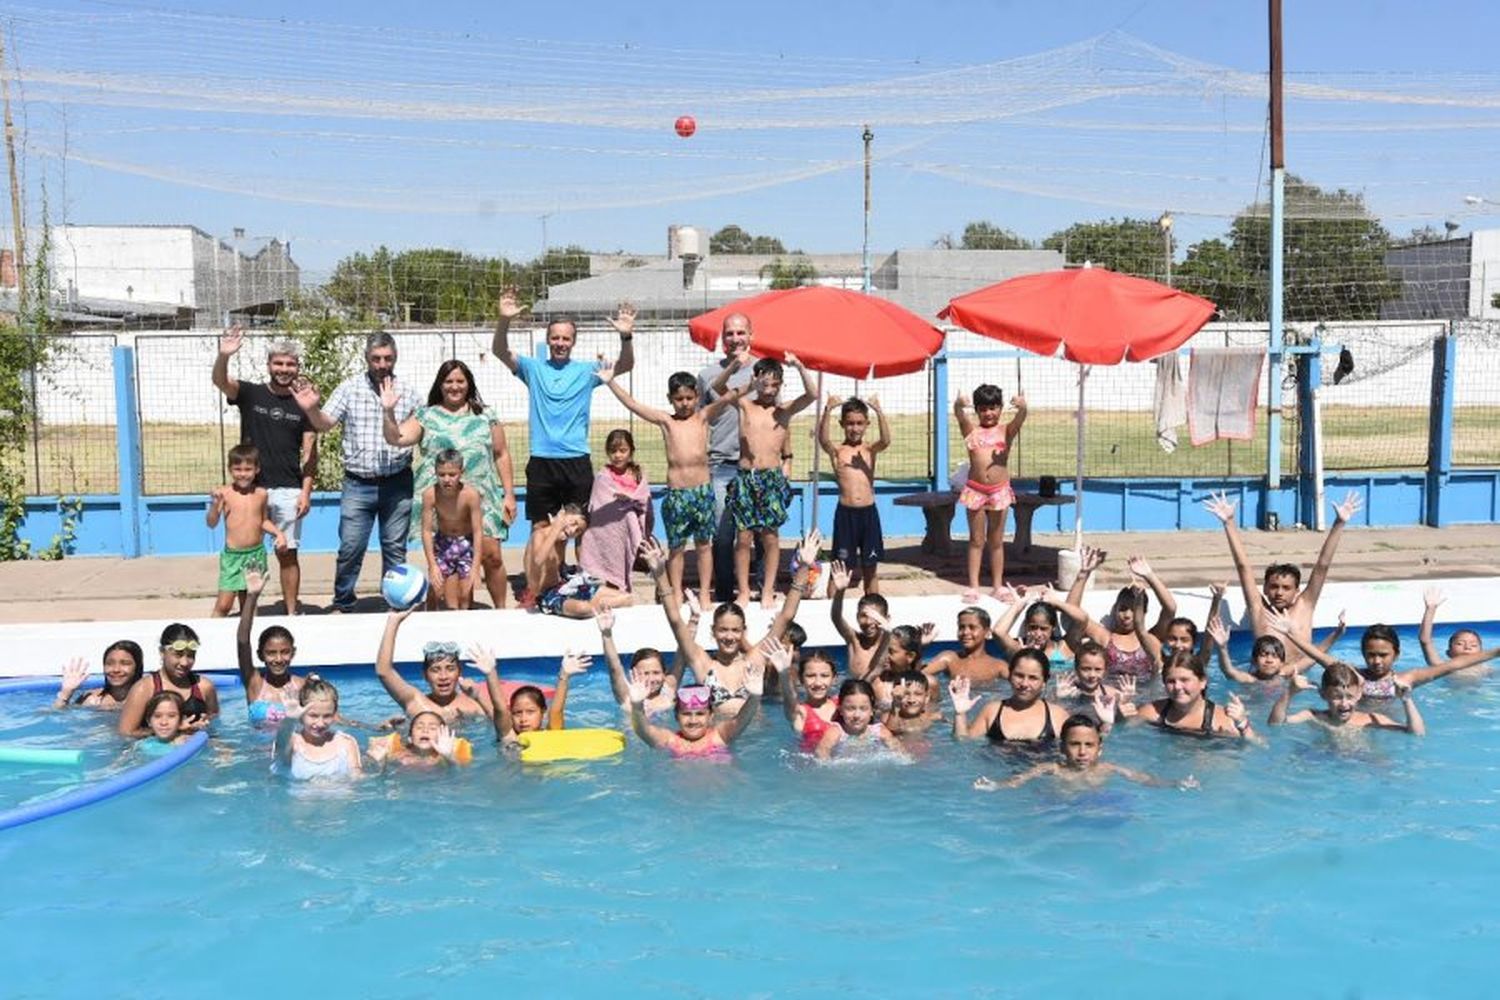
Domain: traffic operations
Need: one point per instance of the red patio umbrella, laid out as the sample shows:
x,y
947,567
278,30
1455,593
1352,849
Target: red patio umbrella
x,y
1096,316
831,330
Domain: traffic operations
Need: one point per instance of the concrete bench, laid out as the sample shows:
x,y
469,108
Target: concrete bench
x,y
939,506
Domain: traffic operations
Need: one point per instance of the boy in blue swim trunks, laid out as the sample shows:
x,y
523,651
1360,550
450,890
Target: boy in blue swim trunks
x,y
857,539
688,507
759,495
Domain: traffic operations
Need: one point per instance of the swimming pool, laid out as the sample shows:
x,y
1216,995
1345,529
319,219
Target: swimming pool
x,y
1316,866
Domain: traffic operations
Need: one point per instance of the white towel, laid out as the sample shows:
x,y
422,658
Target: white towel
x,y
1223,385
1169,401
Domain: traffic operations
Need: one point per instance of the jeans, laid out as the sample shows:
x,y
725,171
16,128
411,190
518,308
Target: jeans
x,y
389,500
724,538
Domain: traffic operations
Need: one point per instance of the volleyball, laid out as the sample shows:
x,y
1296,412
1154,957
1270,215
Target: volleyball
x,y
403,586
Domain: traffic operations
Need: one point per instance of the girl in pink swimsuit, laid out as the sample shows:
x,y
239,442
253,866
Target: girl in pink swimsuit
x,y
987,495
812,718
697,735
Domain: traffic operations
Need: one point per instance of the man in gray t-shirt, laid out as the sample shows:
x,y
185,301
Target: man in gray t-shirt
x,y
724,449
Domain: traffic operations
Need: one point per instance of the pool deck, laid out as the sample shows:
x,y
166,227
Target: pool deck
x,y
110,589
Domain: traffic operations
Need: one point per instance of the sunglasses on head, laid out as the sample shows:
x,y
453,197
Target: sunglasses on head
x,y
182,646
693,697
432,649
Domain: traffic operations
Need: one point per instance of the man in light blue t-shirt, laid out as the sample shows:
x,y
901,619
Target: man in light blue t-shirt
x,y
560,470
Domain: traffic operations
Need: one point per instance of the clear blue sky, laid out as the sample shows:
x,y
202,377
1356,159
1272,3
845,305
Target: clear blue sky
x,y
347,178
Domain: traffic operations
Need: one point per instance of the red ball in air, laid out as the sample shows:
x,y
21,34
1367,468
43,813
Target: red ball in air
x,y
686,126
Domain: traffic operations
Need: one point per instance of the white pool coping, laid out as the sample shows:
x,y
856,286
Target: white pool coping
x,y
41,649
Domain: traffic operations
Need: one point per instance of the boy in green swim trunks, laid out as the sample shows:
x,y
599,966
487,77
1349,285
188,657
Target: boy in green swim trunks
x,y
688,507
243,506
759,494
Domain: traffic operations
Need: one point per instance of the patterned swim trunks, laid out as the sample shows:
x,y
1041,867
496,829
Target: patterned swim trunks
x,y
454,555
234,562
576,585
689,515
758,499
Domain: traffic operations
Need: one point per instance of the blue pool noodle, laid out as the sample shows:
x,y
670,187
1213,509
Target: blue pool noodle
x,y
22,684
107,789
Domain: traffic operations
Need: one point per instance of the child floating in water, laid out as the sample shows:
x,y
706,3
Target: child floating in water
x,y
1380,646
1342,687
269,693
307,746
855,723
429,742
1462,642
987,495
164,717
1081,764
697,735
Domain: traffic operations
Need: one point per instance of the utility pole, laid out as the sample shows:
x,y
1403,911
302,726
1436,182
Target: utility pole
x,y
1278,235
868,137
18,224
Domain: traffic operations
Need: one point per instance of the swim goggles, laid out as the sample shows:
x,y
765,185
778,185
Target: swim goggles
x,y
432,649
695,696
182,645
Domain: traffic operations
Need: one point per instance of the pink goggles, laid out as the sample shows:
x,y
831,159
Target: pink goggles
x,y
696,696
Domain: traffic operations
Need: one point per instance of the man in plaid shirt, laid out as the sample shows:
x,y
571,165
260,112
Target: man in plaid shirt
x,y
377,476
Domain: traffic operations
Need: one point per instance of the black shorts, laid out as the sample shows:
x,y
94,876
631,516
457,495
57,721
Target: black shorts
x,y
552,482
857,539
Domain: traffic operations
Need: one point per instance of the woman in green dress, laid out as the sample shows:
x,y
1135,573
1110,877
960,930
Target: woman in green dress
x,y
455,417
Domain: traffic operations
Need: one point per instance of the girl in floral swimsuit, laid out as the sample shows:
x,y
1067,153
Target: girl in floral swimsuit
x,y
987,495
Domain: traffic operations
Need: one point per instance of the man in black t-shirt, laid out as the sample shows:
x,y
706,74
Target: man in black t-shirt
x,y
271,420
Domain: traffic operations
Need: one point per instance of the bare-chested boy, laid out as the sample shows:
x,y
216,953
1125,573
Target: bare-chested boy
x,y
244,508
759,494
566,591
970,659
870,617
688,508
857,539
911,713
452,532
1279,590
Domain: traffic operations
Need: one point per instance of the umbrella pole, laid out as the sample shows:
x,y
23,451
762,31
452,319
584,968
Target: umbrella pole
x,y
1083,374
817,426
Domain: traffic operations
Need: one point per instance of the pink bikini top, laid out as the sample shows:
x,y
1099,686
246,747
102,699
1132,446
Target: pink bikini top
x,y
987,439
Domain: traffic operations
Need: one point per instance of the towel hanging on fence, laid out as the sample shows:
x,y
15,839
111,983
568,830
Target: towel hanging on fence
x,y
1169,401
1223,387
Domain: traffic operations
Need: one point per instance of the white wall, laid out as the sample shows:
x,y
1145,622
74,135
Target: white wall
x,y
127,263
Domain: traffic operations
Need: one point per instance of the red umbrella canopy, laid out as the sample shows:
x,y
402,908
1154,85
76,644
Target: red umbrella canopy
x,y
831,329
1098,317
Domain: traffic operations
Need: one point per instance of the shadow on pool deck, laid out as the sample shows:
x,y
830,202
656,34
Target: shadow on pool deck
x,y
109,589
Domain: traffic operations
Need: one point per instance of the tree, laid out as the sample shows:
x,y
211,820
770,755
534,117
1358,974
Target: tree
x,y
1212,271
1130,246
985,235
732,239
793,274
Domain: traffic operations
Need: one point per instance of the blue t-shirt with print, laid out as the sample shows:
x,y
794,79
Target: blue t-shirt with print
x,y
559,405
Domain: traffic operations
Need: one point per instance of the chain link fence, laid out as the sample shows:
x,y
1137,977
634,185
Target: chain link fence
x,y
71,444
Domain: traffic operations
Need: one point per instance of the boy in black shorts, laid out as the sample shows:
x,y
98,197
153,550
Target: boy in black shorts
x,y
857,539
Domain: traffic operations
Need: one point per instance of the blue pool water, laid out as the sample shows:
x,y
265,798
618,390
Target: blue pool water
x,y
1317,866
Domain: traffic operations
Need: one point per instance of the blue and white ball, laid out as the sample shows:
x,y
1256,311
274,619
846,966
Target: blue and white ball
x,y
403,586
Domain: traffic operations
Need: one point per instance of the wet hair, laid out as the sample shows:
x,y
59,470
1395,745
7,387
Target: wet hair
x,y
530,691
1185,659
448,456
1035,656
1340,675
412,722
1270,643
767,366
681,380
316,687
916,677
177,631
154,702
649,653
435,394
1462,632
1134,598
977,612
854,686
1088,647
988,395
908,637
621,436
133,650
272,632
1044,611
1284,569
428,659
853,405
794,635
378,339
729,608
818,656
875,601
1081,721
1378,632
1186,623
244,453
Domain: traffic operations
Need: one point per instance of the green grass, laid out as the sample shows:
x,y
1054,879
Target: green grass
x,y
189,459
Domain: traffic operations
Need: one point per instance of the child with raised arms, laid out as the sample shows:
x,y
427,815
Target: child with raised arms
x,y
687,510
1082,763
1268,659
809,719
307,745
124,664
697,735
855,723
758,495
869,615
647,664
1130,650
1380,646
428,743
1462,642
1039,628
857,539
452,532
1342,688
272,691
987,495
243,506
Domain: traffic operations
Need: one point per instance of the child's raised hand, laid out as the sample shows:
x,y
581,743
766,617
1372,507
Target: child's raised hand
x,y
962,402
1220,506
927,634
1300,683
983,784
1218,631
1350,506
605,619
1018,400
958,690
1125,684
694,609
397,617
654,554
884,690
1343,614
834,402
1090,558
483,659
779,653
808,550
230,341
575,663
755,678
636,690
255,580
604,368
378,750
1235,709
1433,596
445,743
873,400
1139,566
793,360
1106,704
881,621
1218,589
217,494
74,673
838,575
